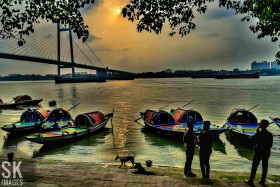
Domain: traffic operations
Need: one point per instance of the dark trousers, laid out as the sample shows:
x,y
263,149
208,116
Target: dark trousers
x,y
189,159
260,156
204,157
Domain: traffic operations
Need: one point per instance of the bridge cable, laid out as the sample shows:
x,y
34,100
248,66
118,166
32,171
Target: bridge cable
x,y
94,54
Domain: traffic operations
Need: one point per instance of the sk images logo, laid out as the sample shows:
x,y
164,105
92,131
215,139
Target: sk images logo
x,y
11,174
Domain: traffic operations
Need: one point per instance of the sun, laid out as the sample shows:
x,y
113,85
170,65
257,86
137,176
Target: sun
x,y
119,10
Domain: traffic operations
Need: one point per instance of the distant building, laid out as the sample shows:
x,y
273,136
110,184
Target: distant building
x,y
81,73
168,71
11,75
260,65
274,65
182,71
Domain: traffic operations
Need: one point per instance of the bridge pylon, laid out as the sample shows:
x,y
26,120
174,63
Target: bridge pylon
x,y
72,66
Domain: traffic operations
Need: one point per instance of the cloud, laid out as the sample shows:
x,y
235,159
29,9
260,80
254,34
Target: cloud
x,y
126,49
92,37
102,49
124,60
220,13
210,35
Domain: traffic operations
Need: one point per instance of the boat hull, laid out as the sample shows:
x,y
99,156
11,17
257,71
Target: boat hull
x,y
239,76
67,135
7,106
20,128
31,102
240,134
275,120
59,79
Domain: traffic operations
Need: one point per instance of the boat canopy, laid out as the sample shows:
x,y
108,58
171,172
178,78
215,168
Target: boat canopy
x,y
242,116
1,102
59,114
185,116
91,119
34,115
23,98
158,117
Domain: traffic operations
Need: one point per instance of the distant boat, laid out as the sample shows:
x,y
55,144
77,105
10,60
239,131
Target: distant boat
x,y
7,105
202,76
26,100
239,76
68,79
241,126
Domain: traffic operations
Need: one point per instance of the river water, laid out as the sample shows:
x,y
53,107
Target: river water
x,y
214,99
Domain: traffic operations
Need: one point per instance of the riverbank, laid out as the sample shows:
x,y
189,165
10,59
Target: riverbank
x,y
56,173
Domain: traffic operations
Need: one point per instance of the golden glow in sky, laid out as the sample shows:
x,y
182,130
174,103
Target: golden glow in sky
x,y
119,11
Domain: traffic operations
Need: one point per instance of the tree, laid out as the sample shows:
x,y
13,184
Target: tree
x,y
152,14
17,17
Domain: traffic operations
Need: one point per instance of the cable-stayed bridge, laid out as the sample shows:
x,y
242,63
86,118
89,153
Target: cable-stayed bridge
x,y
51,45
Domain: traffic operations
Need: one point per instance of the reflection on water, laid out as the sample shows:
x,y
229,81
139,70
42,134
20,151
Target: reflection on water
x,y
214,100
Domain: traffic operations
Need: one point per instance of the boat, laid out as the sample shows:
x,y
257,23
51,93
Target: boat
x,y
84,125
239,76
163,124
30,120
275,120
7,105
61,115
241,126
77,79
185,116
202,76
26,100
129,77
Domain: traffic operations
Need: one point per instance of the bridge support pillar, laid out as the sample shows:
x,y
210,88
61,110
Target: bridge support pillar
x,y
58,48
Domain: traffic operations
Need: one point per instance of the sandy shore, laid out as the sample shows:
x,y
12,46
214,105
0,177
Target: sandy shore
x,y
57,173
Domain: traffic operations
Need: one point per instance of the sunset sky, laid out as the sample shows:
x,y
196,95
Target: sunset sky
x,y
220,41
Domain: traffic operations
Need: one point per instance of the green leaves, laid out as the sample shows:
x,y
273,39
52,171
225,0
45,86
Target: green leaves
x,y
152,14
18,23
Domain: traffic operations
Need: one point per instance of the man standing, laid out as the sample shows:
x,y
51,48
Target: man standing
x,y
205,143
262,142
189,138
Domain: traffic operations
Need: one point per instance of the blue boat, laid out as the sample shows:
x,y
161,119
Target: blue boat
x,y
30,120
241,126
186,116
275,120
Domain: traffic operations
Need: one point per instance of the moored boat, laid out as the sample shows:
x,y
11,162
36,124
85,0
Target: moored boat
x,y
30,120
239,76
186,116
59,115
163,124
241,126
65,79
7,105
84,125
26,100
275,120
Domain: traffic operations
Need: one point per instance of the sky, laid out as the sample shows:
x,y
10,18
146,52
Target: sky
x,y
220,41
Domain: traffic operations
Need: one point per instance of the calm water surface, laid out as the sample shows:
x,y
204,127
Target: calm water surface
x,y
214,99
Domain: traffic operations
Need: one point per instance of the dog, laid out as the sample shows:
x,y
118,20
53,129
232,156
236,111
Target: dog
x,y
125,159
141,170
10,156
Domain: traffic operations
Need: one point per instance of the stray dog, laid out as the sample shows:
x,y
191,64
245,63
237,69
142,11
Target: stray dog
x,y
125,159
141,170
10,156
